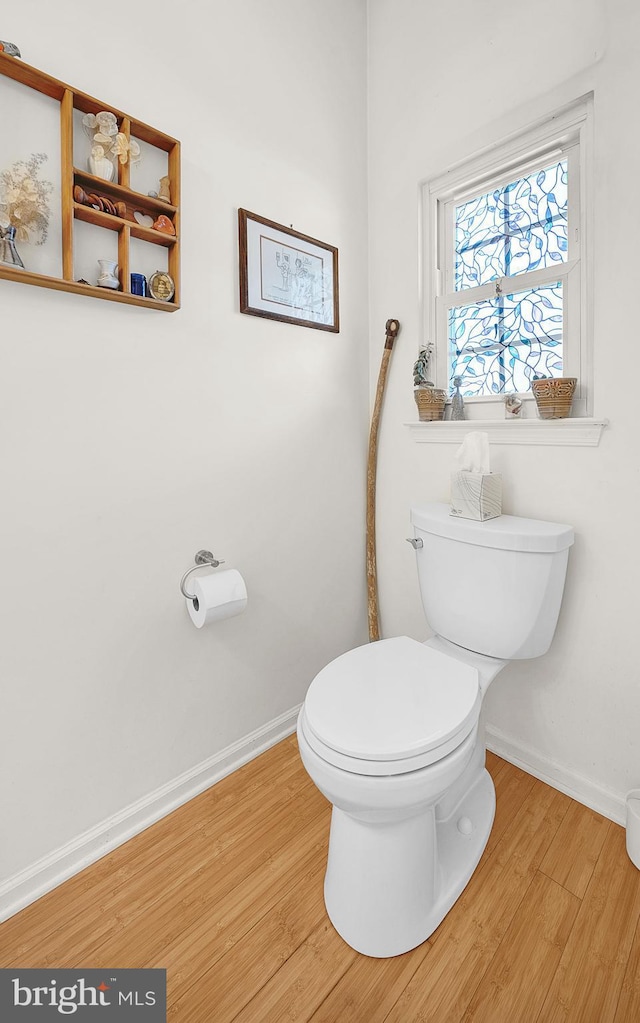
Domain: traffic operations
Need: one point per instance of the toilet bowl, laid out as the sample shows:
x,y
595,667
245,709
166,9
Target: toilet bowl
x,y
403,766
391,734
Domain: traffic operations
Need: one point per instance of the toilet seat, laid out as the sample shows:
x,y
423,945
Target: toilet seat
x,y
390,707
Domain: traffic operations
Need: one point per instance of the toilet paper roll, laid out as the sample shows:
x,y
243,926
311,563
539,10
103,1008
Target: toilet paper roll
x,y
217,596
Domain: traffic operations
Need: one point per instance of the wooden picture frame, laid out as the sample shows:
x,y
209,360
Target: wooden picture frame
x,y
287,276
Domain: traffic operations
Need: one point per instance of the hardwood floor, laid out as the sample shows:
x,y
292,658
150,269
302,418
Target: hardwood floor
x,y
226,894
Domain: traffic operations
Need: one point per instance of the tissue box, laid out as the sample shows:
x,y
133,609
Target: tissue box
x,y
476,495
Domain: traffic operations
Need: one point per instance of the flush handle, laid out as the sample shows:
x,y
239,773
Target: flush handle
x,y
415,542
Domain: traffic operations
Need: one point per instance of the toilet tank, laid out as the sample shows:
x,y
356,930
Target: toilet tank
x,y
494,587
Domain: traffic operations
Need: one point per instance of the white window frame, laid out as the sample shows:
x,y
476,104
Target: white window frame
x,y
565,134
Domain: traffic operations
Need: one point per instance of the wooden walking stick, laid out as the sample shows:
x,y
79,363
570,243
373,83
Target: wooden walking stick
x,y
392,327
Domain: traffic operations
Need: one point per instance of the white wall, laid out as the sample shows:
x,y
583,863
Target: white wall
x,y
130,439
441,88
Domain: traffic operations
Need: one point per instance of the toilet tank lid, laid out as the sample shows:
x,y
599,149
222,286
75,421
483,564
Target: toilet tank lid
x,y
507,532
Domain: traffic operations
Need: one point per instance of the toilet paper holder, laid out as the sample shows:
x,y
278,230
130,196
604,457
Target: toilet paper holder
x,y
202,558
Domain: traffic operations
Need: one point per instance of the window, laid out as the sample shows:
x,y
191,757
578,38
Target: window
x,y
506,265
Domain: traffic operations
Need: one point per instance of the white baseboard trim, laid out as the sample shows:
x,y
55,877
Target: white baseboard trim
x,y
30,884
603,800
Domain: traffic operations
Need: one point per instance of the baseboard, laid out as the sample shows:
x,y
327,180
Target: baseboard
x,y
597,797
25,887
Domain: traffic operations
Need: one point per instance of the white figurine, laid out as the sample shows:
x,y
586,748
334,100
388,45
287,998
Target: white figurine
x,y
100,165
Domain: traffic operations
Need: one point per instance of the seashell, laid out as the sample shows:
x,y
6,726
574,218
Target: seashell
x,y
143,218
107,122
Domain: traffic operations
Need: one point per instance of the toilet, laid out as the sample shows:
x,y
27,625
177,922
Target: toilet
x,y
390,732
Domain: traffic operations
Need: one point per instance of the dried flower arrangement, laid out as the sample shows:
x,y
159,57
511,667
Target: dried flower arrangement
x,y
24,199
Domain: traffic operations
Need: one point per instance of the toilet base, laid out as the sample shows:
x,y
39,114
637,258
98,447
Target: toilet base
x,y
389,885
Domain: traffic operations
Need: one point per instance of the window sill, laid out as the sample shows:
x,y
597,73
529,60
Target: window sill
x,y
578,432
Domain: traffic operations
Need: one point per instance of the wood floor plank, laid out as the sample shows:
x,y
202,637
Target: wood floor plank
x,y
512,787
588,981
494,763
303,981
369,989
223,992
629,1001
469,936
573,854
220,929
514,986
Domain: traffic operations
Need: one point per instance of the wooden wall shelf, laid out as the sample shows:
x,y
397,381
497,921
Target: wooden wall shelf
x,y
118,191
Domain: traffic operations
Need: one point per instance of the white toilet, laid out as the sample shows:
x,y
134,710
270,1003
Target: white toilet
x,y
389,732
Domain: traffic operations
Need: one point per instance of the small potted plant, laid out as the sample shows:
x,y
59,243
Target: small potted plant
x,y
24,207
429,398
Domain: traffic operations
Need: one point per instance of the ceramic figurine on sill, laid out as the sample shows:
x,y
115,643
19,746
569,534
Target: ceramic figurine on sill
x,y
512,407
457,403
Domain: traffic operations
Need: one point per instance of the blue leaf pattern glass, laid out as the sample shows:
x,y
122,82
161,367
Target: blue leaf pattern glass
x,y
511,230
497,346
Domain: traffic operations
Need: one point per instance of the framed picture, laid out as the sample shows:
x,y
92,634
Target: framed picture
x,y
287,276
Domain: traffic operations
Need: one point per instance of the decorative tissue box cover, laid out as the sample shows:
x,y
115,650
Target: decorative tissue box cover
x,y
476,495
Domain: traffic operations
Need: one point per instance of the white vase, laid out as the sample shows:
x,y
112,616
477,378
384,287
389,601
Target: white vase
x,y
101,167
108,274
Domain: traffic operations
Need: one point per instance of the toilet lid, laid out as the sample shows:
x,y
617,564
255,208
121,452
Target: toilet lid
x,y
392,700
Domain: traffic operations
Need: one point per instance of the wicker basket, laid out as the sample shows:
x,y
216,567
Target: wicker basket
x,y
430,402
554,396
